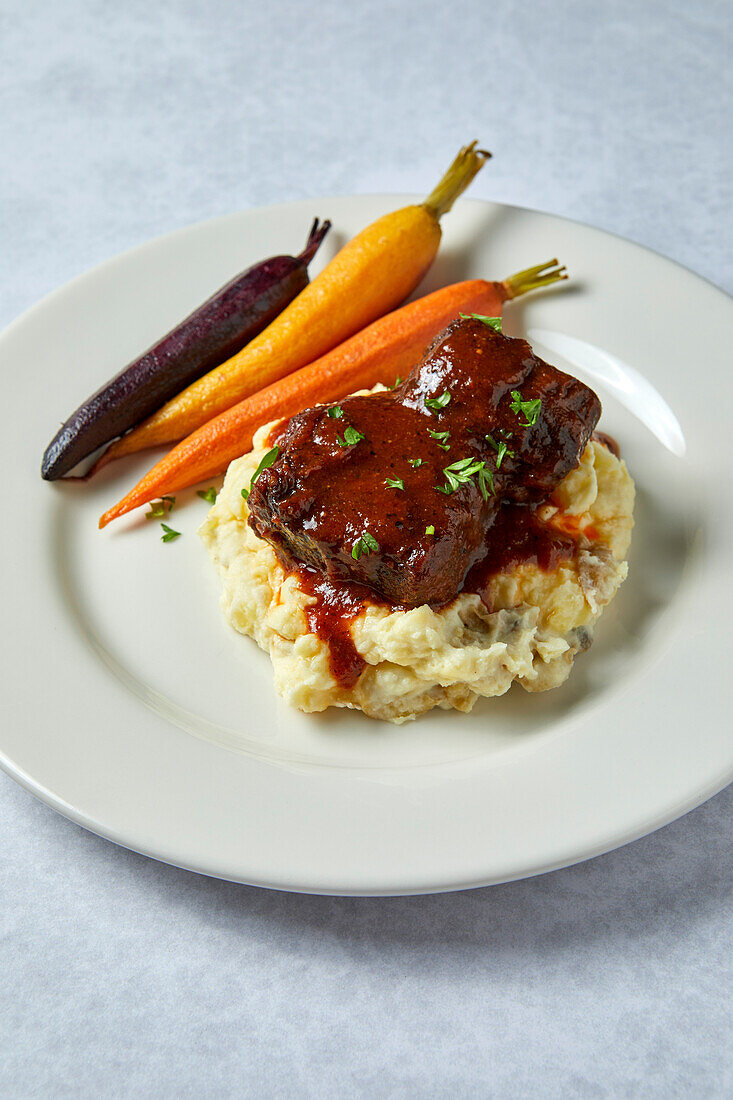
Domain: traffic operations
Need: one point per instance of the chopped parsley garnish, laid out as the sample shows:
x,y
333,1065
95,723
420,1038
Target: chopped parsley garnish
x,y
415,462
486,482
209,495
430,530
159,508
335,412
500,448
397,382
435,404
366,544
168,533
528,409
265,462
394,482
441,438
492,322
461,472
351,436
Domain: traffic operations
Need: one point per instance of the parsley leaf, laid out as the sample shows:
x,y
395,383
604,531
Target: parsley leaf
x,y
169,533
209,495
441,438
415,462
461,472
265,462
430,530
500,448
528,409
435,404
394,482
366,544
159,508
351,436
492,322
486,482
397,382
335,412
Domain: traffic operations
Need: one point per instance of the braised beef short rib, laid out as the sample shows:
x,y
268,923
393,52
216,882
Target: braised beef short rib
x,y
407,507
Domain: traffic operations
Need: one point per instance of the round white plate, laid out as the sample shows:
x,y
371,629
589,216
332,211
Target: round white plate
x,y
131,707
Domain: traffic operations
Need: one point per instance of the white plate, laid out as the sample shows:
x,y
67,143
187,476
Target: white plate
x,y
132,708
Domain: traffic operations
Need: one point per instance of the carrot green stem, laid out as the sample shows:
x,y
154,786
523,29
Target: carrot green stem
x,y
532,277
455,181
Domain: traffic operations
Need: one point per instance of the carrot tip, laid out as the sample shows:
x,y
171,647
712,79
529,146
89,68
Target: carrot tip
x,y
119,509
109,515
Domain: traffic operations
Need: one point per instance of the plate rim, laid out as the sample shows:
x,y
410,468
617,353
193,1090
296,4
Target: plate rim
x,y
69,813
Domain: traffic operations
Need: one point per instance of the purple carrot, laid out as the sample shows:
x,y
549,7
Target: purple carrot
x,y
209,336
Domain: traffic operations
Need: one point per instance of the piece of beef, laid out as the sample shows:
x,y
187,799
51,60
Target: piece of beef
x,y
393,510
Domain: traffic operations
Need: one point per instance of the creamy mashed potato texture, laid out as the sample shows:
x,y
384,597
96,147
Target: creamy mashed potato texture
x,y
528,629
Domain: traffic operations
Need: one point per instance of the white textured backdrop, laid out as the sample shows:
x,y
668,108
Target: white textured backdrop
x,y
124,978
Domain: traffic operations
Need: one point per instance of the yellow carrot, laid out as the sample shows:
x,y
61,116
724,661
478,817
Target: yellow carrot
x,y
371,275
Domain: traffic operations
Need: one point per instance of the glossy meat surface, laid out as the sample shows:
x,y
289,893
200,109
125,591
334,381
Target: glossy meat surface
x,y
363,511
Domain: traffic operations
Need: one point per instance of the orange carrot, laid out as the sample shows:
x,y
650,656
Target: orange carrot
x,y
387,348
371,274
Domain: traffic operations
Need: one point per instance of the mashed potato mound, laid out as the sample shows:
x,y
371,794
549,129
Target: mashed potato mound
x,y
421,658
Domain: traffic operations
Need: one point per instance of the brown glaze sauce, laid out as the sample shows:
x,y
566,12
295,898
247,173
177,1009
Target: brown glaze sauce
x,y
518,537
377,465
337,605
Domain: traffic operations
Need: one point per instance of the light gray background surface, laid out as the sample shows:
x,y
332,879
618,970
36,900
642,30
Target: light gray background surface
x,y
121,977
